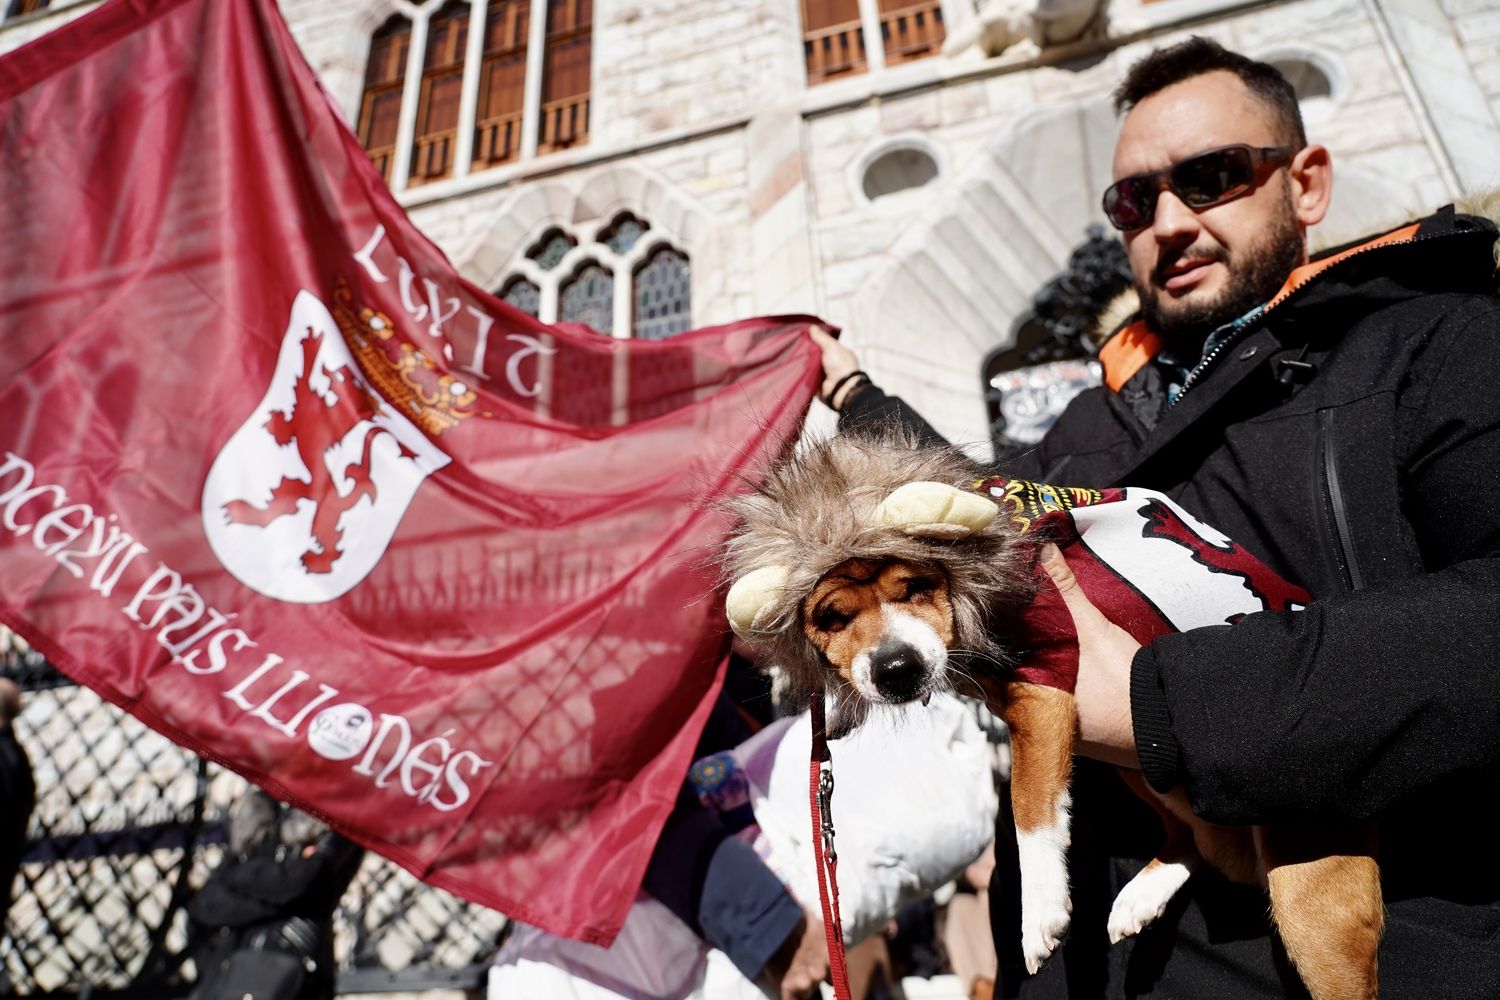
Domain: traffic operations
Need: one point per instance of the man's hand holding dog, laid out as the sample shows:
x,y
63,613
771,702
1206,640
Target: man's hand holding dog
x,y
1105,652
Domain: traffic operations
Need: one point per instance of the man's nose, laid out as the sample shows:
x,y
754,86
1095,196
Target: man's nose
x,y
1174,220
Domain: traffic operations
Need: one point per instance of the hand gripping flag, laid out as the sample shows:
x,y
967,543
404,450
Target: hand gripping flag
x,y
281,483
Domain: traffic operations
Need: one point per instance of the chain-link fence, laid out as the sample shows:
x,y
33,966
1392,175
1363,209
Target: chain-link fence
x,y
127,826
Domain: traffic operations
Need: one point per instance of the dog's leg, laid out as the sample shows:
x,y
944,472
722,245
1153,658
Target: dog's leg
x,y
1146,896
1325,899
1042,723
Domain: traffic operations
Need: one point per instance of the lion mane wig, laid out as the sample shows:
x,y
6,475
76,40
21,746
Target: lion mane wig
x,y
818,508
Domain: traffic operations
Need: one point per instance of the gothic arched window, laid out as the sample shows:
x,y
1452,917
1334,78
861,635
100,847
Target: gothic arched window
x,y
623,233
522,294
556,281
662,295
551,248
589,297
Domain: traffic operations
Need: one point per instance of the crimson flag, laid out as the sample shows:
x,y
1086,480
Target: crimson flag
x,y
278,481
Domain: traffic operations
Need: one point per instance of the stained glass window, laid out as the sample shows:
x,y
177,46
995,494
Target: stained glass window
x,y
590,298
660,286
523,295
551,248
662,295
623,233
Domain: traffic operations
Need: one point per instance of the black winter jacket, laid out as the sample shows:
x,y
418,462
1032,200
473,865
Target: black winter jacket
x,y
1373,480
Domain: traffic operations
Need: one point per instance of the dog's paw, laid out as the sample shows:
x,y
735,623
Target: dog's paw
x,y
1042,932
1146,897
1045,902
1046,906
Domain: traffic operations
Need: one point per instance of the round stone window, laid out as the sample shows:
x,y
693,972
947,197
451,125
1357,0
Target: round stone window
x,y
1306,77
902,169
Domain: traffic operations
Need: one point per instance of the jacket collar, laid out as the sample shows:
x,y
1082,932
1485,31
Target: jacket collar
x,y
1135,344
1346,281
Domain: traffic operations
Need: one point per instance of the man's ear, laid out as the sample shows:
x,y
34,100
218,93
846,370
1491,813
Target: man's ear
x,y
1311,175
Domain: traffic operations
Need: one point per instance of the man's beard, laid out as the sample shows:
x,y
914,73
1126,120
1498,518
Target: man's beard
x,y
1255,274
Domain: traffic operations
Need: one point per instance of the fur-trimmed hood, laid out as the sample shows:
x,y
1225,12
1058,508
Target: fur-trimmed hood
x,y
816,510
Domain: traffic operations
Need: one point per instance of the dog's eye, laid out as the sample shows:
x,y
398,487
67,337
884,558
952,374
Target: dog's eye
x,y
830,620
919,585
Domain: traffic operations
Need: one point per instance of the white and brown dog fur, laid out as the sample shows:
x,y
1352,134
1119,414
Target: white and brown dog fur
x,y
866,570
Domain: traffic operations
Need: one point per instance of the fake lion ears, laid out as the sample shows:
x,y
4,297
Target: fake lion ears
x,y
751,597
936,510
928,510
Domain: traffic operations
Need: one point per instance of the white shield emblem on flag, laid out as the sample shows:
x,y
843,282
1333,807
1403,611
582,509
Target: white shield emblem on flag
x,y
305,496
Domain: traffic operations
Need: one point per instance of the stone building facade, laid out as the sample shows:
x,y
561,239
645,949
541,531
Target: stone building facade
x,y
913,171
917,198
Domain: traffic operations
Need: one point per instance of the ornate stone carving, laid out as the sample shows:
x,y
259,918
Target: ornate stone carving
x,y
1000,24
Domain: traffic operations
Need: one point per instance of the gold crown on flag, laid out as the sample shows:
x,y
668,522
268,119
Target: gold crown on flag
x,y
410,381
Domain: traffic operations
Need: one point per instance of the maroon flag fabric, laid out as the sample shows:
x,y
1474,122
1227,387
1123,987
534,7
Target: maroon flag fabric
x,y
278,481
1149,565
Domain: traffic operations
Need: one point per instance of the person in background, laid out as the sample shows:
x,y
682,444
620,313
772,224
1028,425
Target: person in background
x,y
17,792
718,886
262,924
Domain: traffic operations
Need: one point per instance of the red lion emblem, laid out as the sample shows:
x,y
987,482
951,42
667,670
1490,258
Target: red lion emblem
x,y
315,426
1274,592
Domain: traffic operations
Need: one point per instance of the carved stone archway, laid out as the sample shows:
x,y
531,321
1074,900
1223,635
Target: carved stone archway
x,y
955,287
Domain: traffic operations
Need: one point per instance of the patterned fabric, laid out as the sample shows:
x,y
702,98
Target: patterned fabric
x,y
1150,566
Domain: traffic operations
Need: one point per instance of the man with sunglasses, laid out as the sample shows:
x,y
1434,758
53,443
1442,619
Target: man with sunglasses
x,y
1340,418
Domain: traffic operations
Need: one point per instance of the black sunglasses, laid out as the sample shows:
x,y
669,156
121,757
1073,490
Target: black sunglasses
x,y
1200,181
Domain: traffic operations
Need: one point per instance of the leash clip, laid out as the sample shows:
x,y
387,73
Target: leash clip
x,y
825,810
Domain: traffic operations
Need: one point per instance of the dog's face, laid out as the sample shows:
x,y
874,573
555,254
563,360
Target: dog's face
x,y
915,579
883,626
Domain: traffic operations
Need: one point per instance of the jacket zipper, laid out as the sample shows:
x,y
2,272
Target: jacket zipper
x,y
1196,375
1336,517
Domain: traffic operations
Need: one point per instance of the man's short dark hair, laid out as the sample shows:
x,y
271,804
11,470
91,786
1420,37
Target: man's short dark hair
x,y
1196,56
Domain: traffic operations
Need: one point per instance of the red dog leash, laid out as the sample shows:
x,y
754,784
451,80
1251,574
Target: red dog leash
x,y
820,803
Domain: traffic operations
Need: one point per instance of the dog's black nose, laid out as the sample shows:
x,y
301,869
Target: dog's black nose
x,y
897,671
